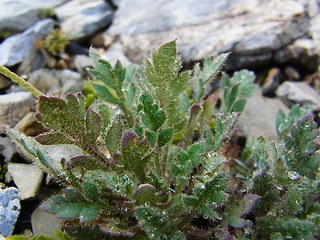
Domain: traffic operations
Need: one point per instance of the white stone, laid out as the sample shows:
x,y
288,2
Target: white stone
x,y
27,177
44,222
9,210
14,106
17,48
18,15
203,28
259,116
80,18
299,92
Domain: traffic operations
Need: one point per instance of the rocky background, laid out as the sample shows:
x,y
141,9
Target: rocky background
x,y
277,39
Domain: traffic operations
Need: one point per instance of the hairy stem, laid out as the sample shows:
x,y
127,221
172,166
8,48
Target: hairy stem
x,y
14,77
126,111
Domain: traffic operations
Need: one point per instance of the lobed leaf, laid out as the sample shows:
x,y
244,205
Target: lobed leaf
x,y
163,74
153,117
165,136
72,205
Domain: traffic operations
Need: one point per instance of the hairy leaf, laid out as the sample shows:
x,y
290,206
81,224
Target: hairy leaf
x,y
284,124
165,136
72,205
236,90
163,74
153,117
301,156
71,119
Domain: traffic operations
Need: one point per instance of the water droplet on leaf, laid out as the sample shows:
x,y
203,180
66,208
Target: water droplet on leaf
x,y
293,175
307,124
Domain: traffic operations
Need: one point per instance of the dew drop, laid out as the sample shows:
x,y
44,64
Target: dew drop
x,y
117,111
307,124
211,154
293,175
214,205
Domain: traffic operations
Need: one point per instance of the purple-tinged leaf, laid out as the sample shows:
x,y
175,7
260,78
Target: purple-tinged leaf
x,y
113,232
129,138
236,221
164,205
161,193
194,112
52,138
79,160
144,193
143,189
251,200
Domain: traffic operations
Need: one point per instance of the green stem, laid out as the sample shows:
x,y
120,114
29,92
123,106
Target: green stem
x,y
14,77
128,116
126,111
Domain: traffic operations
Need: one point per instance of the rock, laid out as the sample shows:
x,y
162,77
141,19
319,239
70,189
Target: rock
x,y
56,82
71,81
291,73
81,63
259,117
272,82
299,92
315,31
29,126
97,41
14,106
17,48
28,178
18,15
4,82
116,52
302,53
44,222
9,210
7,148
81,18
45,80
251,29
312,7
57,152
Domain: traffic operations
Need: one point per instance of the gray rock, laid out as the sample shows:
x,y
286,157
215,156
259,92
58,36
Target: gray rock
x,y
28,178
7,148
259,116
17,48
56,82
57,152
14,106
45,80
291,73
9,210
18,15
299,92
82,62
312,7
251,29
44,222
272,82
29,126
315,31
302,52
4,82
116,52
70,82
81,18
